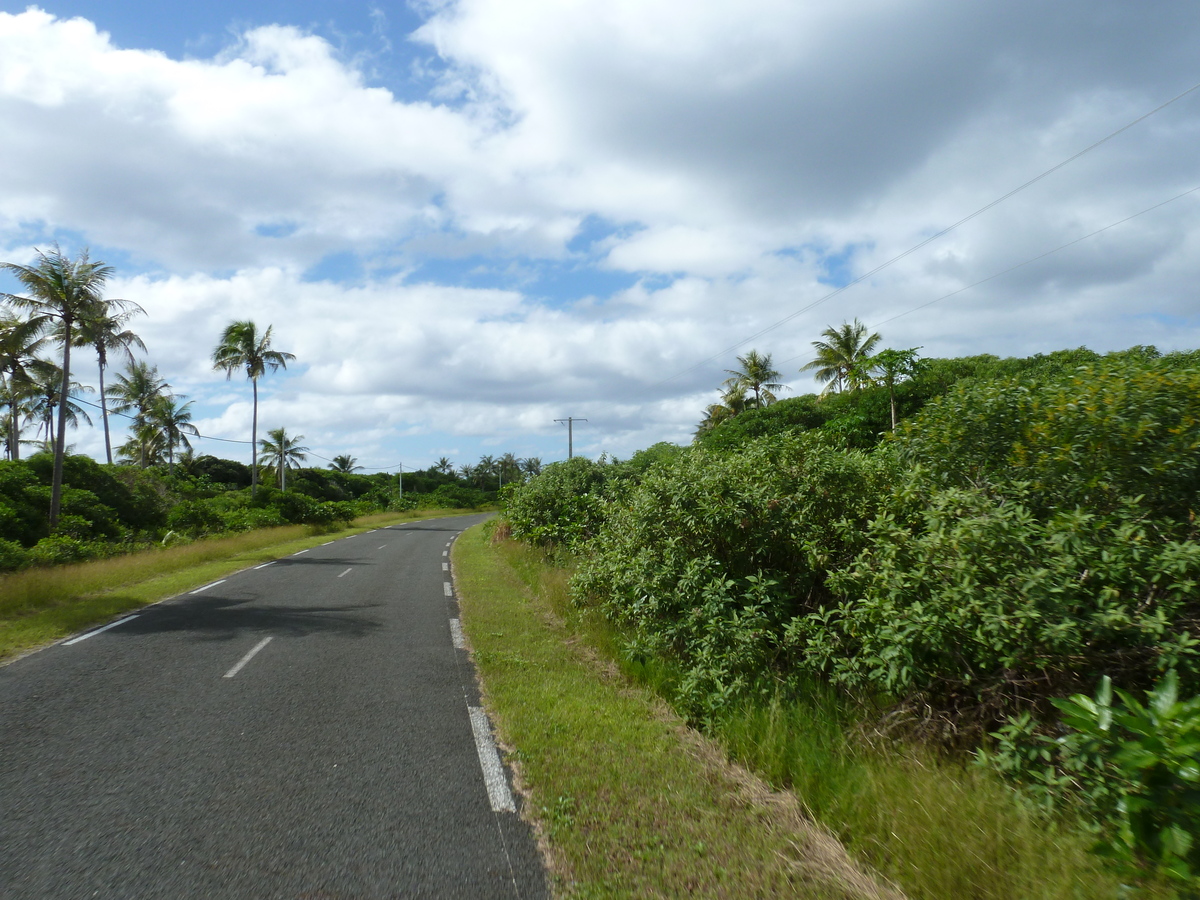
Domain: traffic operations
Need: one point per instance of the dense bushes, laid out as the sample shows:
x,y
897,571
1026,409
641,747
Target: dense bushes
x,y
1021,538
113,509
712,555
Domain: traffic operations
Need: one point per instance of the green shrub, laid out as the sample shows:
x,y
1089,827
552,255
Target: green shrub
x,y
982,610
565,505
1106,432
711,556
12,556
1133,767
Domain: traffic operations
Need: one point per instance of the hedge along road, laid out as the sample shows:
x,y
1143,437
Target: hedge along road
x,y
306,728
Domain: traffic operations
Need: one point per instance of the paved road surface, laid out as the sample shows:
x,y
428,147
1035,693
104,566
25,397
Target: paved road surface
x,y
306,729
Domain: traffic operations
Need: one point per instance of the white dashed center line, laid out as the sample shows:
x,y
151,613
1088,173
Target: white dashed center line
x,y
382,546
249,656
347,572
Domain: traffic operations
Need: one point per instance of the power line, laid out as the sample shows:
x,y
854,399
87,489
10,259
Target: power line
x,y
1020,265
928,240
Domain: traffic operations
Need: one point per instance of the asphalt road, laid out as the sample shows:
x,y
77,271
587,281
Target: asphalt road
x,y
299,730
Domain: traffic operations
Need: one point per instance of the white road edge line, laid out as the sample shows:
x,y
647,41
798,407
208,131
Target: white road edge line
x,y
207,586
489,760
84,637
298,552
456,635
264,565
447,589
445,567
327,543
249,656
347,572
445,553
383,547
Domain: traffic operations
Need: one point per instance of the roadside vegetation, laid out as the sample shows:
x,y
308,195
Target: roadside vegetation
x,y
41,605
59,508
628,802
967,643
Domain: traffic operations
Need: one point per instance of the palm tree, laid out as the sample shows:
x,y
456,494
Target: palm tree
x,y
105,331
484,469
282,453
531,466
145,447
508,467
66,291
838,357
755,373
174,421
444,466
243,347
21,340
42,395
345,463
138,389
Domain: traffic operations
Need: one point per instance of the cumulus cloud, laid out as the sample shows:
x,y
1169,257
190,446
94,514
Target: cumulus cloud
x,y
743,161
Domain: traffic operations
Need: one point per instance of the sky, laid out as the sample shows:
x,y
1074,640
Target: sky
x,y
470,218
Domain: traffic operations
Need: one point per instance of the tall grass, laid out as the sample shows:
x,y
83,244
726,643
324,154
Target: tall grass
x,y
937,827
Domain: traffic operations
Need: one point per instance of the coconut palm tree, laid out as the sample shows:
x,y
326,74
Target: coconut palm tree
x,y
837,361
21,340
42,402
444,466
281,453
105,331
756,373
531,466
66,291
147,446
345,463
138,388
174,421
242,346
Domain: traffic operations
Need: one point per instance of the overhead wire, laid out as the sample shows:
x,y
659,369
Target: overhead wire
x,y
933,237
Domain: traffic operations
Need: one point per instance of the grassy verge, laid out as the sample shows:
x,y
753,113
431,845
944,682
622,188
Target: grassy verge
x,y
610,777
40,606
629,803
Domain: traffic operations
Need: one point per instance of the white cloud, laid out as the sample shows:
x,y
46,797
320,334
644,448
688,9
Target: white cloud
x,y
746,158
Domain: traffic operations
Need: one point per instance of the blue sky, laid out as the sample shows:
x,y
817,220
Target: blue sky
x,y
468,218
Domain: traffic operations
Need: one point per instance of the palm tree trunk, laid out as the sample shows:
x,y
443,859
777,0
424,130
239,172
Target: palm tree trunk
x,y
14,434
60,446
892,400
254,442
104,415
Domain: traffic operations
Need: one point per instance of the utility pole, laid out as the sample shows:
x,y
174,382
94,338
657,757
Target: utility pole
x,y
570,421
399,475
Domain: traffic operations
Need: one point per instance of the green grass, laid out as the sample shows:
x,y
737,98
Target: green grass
x,y
629,803
937,828
42,605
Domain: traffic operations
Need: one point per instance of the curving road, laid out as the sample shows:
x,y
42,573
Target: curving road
x,y
305,729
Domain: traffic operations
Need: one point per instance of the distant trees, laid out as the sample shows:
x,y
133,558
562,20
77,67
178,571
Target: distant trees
x,y
282,452
243,346
21,342
345,463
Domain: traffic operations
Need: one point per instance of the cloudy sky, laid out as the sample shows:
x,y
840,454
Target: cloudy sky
x,y
468,218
